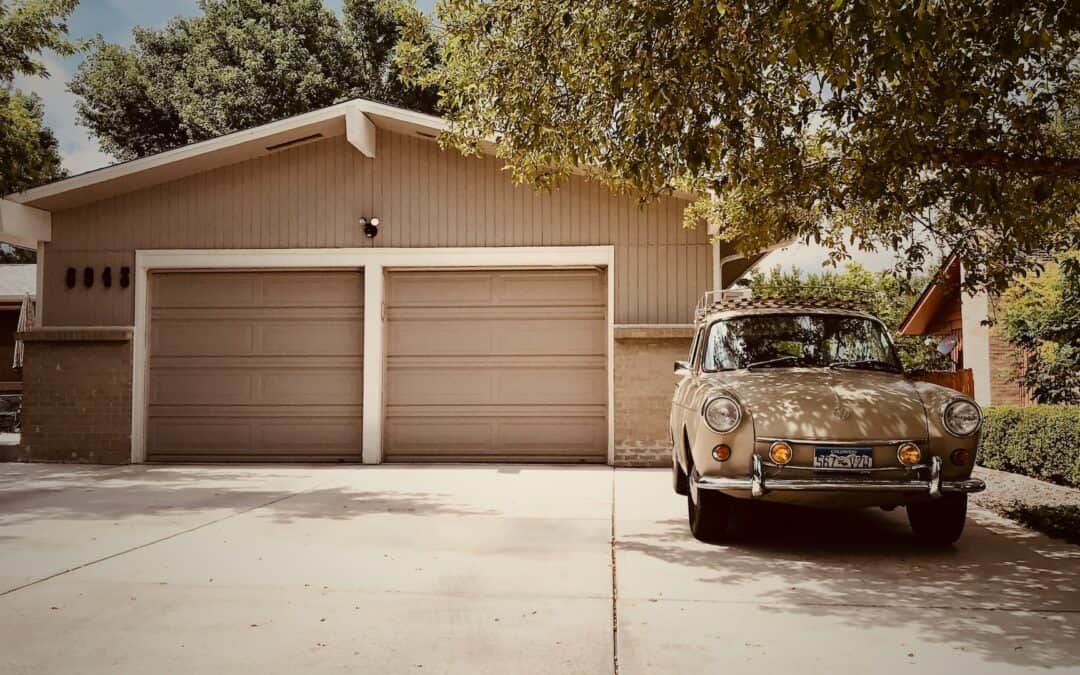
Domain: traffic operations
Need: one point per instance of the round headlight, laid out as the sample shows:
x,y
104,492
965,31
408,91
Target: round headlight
x,y
962,417
722,414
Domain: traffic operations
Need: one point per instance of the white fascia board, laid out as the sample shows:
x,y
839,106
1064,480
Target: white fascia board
x,y
23,225
135,166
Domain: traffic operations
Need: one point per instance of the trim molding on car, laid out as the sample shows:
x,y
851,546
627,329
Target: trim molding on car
x,y
869,441
759,486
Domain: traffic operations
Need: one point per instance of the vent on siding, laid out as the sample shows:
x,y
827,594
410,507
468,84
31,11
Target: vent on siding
x,y
295,141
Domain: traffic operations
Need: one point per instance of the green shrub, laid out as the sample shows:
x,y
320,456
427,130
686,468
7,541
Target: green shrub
x,y
1061,521
1042,441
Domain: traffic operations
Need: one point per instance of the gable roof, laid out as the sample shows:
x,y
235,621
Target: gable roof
x,y
350,118
356,119
936,293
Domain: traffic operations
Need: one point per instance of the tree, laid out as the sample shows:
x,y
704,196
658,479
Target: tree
x,y
240,64
883,294
900,124
29,153
1040,315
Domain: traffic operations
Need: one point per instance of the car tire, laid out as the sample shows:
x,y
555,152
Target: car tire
x,y
679,482
939,522
709,514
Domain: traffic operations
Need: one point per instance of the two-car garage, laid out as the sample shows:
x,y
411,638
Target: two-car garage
x,y
491,364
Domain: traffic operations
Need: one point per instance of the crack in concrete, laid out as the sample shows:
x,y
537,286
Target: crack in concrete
x,y
614,587
174,535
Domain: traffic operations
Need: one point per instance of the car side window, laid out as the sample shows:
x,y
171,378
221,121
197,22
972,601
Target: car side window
x,y
694,347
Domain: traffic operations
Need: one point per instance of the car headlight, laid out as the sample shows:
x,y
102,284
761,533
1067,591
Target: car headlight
x,y
722,414
962,417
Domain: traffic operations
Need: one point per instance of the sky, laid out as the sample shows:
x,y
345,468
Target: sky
x,y
114,20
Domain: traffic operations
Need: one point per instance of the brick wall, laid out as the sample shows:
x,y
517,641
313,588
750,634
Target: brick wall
x,y
644,384
76,396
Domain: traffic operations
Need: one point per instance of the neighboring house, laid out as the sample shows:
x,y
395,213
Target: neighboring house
x,y
17,288
942,309
225,302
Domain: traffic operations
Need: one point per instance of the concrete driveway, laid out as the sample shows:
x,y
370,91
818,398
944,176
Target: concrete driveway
x,y
496,569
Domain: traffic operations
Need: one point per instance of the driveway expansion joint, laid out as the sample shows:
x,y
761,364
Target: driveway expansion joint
x,y
159,540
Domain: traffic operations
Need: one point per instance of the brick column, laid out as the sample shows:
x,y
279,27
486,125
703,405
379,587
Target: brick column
x,y
644,384
76,395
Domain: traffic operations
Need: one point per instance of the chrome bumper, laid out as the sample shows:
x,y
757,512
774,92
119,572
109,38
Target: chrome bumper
x,y
758,485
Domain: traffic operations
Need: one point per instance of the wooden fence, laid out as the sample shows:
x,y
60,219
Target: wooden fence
x,y
960,380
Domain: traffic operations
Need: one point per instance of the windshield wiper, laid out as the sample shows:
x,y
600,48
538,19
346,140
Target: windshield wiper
x,y
871,364
769,362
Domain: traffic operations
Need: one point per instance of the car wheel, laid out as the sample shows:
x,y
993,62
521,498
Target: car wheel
x,y
708,513
679,481
939,522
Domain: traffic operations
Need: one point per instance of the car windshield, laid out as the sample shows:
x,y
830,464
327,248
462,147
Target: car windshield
x,y
790,340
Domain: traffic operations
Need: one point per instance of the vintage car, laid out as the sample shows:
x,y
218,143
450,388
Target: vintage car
x,y
807,403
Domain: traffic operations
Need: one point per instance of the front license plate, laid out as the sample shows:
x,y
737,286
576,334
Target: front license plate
x,y
843,458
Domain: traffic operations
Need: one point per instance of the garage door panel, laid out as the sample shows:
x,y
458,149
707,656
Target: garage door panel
x,y
256,438
513,386
567,289
256,365
464,336
496,365
494,438
204,290
335,337
201,338
222,336
267,386
208,387
209,290
556,289
311,290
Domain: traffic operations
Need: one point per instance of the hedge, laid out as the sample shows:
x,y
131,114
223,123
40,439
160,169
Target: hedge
x,y
1042,441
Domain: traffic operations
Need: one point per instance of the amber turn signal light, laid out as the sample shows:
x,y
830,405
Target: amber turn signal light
x,y
909,454
721,453
960,457
780,452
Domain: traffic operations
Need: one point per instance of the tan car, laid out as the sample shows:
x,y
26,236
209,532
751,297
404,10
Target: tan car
x,y
807,403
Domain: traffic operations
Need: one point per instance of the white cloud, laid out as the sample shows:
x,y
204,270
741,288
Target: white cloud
x,y
78,150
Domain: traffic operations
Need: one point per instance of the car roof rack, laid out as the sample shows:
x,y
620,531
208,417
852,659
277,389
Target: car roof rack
x,y
780,297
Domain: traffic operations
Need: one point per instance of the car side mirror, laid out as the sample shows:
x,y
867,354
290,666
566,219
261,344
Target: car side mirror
x,y
682,367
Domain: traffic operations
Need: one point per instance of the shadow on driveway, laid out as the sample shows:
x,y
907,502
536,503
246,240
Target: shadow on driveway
x,y
992,595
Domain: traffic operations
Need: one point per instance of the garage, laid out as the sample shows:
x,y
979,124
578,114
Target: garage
x,y
496,365
255,366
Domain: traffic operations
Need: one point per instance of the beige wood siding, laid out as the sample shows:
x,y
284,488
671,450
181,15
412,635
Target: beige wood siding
x,y
505,365
312,196
256,366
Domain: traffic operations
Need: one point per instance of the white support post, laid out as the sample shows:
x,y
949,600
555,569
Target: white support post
x,y
39,288
374,363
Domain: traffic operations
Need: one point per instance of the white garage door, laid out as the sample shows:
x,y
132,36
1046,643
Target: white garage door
x,y
496,365
256,366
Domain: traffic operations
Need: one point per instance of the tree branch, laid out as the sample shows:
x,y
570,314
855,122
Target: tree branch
x,y
1006,162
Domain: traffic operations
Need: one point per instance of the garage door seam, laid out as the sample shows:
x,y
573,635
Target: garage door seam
x,y
155,541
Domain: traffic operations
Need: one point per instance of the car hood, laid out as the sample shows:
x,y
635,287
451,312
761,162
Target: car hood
x,y
828,404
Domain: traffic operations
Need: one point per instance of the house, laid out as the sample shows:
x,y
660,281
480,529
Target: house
x,y
336,287
17,288
942,310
